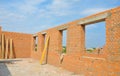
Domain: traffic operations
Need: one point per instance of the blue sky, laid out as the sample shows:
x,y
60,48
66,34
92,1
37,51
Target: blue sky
x,y
31,16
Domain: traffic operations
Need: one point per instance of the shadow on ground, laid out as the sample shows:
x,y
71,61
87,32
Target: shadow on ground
x,y
4,71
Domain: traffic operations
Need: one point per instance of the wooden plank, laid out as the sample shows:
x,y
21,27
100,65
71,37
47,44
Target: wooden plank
x,y
44,50
6,52
2,46
11,49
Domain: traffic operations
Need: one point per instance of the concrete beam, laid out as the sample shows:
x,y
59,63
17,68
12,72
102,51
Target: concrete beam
x,y
94,19
62,28
35,35
43,33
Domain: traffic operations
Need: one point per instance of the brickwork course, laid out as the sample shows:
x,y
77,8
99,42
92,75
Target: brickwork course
x,y
76,59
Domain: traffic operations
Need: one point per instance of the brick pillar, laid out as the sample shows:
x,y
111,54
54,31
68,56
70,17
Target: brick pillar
x,y
55,43
76,39
41,40
113,42
40,46
113,32
32,46
55,46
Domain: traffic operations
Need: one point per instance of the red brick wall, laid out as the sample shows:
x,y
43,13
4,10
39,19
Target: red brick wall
x,y
55,44
77,59
113,41
21,43
76,39
37,54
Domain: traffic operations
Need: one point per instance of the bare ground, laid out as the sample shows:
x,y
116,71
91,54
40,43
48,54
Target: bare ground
x,y
30,67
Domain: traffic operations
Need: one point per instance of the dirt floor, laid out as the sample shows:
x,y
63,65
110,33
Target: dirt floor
x,y
30,67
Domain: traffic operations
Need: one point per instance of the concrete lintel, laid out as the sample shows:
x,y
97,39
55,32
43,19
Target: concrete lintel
x,y
62,28
43,33
35,35
95,19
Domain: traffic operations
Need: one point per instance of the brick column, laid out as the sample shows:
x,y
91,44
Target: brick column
x,y
76,39
113,42
37,54
113,32
55,46
55,43
41,40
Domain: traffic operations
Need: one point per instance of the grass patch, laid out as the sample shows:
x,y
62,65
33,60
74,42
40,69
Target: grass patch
x,y
90,50
64,49
35,47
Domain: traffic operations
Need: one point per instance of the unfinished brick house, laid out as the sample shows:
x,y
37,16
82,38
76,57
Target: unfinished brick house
x,y
103,63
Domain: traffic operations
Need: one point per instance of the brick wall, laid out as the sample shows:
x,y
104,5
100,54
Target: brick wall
x,y
21,43
37,54
77,59
106,63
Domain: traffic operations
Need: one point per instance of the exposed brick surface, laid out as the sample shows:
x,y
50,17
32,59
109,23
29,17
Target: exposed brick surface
x,y
105,63
21,43
76,39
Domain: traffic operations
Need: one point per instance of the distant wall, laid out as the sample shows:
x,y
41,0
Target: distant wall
x,y
21,43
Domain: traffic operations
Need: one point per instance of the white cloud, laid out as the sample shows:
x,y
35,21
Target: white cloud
x,y
28,6
17,12
59,8
6,14
93,11
33,12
